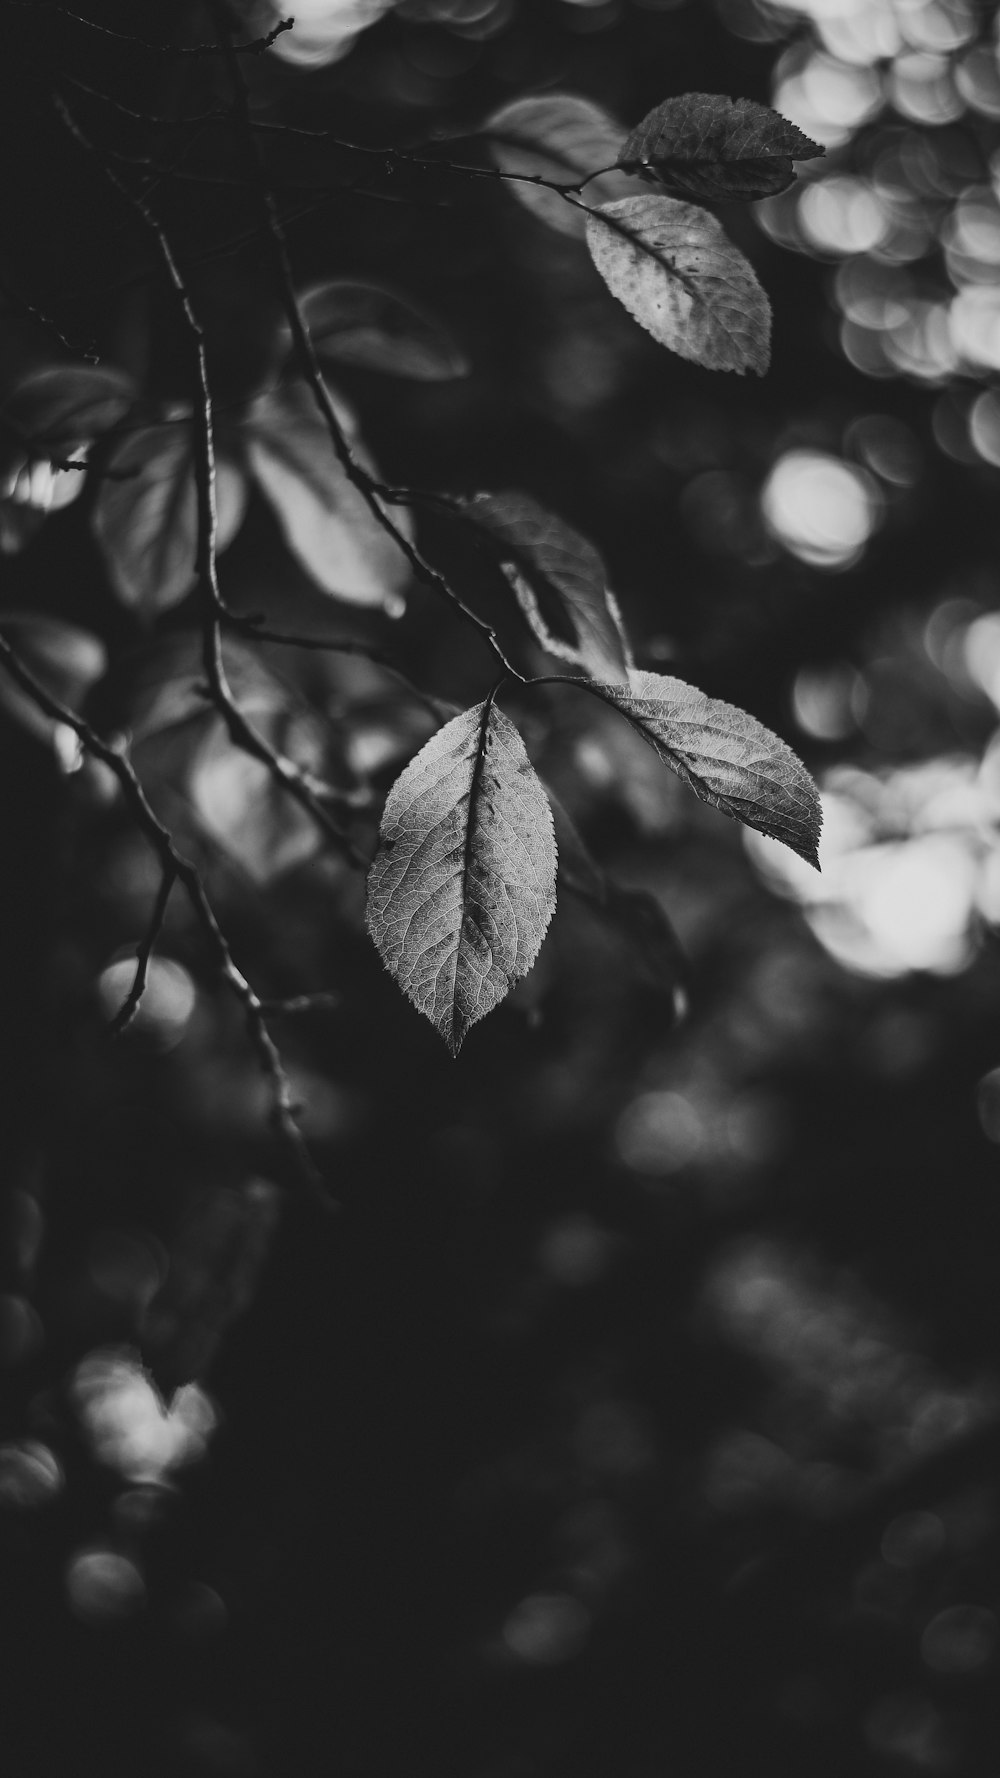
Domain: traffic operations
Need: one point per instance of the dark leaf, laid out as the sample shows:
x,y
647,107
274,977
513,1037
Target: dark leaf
x,y
677,272
54,411
536,547
327,523
146,514
728,758
373,327
705,146
463,885
637,914
562,138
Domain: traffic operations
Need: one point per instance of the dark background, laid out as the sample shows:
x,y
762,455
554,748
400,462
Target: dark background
x,y
639,1411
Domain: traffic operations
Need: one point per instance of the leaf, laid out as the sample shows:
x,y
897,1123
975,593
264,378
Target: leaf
x,y
676,271
703,145
727,757
637,914
53,411
326,522
538,547
252,818
165,687
146,514
561,137
463,885
371,326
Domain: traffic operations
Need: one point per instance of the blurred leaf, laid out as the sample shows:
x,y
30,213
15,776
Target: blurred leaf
x,y
637,914
463,885
372,326
539,547
327,523
55,410
728,758
146,514
246,812
18,525
677,272
212,1279
705,146
66,660
559,137
167,687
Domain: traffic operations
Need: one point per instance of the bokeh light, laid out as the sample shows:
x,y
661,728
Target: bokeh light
x,y
822,509
129,1426
104,1586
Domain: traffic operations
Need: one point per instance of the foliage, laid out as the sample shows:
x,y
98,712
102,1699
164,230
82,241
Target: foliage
x,y
623,1395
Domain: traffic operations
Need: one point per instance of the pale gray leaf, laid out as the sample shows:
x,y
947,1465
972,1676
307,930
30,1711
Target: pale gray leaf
x,y
703,145
327,523
679,275
539,550
727,757
463,885
562,138
146,514
375,328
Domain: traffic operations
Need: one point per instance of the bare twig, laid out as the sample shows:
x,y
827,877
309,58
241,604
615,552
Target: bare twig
x,y
173,862
309,363
133,1000
31,312
260,632
241,732
254,48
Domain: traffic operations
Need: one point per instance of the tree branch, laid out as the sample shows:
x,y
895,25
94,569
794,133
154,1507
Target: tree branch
x,y
255,48
174,863
309,363
133,1000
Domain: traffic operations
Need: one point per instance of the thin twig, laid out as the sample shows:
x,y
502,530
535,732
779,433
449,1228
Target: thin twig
x,y
31,312
254,48
260,632
133,1000
309,363
241,732
174,862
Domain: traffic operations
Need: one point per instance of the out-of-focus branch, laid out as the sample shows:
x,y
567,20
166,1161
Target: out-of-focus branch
x,y
175,864
310,366
241,732
133,1000
255,48
259,632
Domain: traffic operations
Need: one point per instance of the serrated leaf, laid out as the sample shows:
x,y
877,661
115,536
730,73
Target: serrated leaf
x,y
561,137
463,885
146,514
678,274
703,145
727,757
54,410
537,547
326,522
375,328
